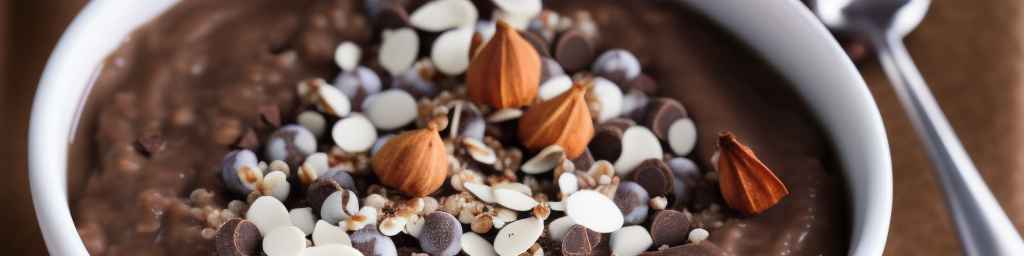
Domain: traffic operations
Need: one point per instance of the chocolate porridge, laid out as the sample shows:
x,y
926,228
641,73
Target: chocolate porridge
x,y
445,127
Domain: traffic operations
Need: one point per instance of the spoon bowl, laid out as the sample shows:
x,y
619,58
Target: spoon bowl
x,y
848,16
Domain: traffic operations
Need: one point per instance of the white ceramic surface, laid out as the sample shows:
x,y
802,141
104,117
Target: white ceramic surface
x,y
784,31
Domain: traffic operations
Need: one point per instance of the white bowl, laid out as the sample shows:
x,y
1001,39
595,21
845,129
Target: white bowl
x,y
783,31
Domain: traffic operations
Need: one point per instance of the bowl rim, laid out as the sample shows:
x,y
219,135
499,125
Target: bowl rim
x,y
53,121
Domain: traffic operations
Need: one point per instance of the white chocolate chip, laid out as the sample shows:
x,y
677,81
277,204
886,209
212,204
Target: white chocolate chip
x,y
568,183
268,213
554,86
630,241
559,227
450,52
638,144
303,218
347,55
505,114
526,8
440,15
682,136
659,203
333,101
275,184
698,234
594,211
331,250
284,241
609,96
392,226
354,134
390,109
313,121
398,49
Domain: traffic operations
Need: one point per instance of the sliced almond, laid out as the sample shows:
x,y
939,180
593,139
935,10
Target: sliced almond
x,y
450,52
594,210
638,144
440,15
522,188
398,49
392,225
331,250
481,191
514,199
504,114
517,237
475,245
479,151
545,160
324,234
559,227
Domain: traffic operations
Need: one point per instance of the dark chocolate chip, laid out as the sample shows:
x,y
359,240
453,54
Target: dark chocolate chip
x,y
549,68
704,248
249,140
387,14
655,176
670,227
441,234
661,112
319,191
370,242
584,161
574,51
632,199
687,177
270,115
151,143
606,144
580,241
341,177
238,237
644,83
537,42
619,123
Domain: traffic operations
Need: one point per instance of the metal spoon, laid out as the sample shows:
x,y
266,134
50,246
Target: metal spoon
x,y
982,225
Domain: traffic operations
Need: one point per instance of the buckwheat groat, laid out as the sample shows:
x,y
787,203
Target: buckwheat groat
x,y
448,127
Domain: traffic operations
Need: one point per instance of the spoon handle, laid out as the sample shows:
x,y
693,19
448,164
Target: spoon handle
x,y
982,226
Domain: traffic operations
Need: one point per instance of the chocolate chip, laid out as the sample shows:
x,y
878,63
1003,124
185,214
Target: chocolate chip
x,y
387,14
644,83
687,178
661,112
606,144
549,68
632,199
618,123
655,176
441,234
151,143
341,177
573,51
370,242
249,140
270,115
584,161
537,42
670,227
580,241
319,191
238,237
703,248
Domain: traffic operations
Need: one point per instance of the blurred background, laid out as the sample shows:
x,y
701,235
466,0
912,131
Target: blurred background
x,y
969,51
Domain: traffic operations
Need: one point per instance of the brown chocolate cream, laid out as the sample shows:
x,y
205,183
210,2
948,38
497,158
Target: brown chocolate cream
x,y
210,77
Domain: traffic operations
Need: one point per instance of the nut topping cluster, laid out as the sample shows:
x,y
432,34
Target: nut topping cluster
x,y
485,146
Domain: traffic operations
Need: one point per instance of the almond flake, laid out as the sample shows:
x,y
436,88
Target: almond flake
x,y
747,185
544,161
514,199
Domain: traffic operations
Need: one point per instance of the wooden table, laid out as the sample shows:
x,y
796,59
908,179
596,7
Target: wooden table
x,y
971,53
